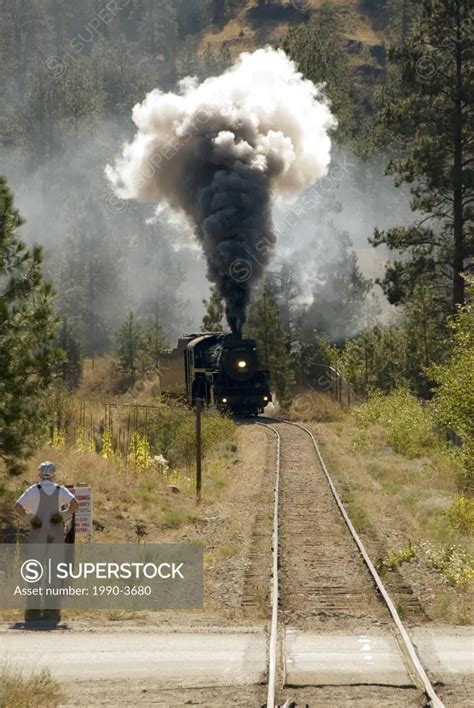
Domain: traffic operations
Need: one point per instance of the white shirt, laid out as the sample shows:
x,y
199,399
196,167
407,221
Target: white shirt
x,y
31,496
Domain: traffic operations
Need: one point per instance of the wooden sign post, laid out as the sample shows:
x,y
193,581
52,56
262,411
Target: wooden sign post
x,y
83,516
198,450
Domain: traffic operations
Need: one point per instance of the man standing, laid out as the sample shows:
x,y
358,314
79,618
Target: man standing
x,y
46,504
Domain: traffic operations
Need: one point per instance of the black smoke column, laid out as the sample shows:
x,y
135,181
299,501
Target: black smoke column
x,y
219,151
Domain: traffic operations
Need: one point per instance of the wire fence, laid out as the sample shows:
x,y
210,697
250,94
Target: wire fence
x,y
328,379
117,431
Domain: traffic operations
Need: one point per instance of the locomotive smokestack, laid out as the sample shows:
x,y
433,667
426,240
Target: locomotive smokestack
x,y
219,151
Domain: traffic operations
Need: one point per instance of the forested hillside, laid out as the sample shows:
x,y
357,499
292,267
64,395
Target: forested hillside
x,y
370,265
71,75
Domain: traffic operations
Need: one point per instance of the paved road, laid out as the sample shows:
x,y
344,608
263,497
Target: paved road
x,y
446,652
220,658
337,660
174,659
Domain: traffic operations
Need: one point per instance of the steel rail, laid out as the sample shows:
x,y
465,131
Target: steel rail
x,y
405,637
273,643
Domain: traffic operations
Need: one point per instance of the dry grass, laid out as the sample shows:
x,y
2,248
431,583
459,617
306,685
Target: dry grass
x,y
313,405
21,690
164,506
99,378
129,498
125,498
396,501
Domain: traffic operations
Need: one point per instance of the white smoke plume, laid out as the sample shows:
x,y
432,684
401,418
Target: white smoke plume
x,y
219,151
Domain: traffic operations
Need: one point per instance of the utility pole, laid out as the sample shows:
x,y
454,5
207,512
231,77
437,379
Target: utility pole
x,y
265,331
198,450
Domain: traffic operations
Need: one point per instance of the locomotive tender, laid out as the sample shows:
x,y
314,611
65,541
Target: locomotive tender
x,y
221,369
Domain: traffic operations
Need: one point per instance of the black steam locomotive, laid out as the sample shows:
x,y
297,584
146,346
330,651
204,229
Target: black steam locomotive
x,y
221,369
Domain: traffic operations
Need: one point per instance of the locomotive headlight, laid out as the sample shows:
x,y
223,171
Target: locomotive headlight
x,y
265,398
242,364
224,400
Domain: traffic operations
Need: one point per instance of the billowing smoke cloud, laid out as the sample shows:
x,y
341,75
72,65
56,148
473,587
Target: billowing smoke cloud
x,y
219,151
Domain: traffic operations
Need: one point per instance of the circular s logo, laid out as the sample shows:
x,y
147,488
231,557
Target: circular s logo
x,y
303,405
303,5
114,204
55,66
240,270
31,570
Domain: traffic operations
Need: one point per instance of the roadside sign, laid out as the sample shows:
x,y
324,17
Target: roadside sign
x,y
84,512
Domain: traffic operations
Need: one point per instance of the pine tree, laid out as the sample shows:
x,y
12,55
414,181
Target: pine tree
x,y
340,298
29,357
317,49
88,283
426,336
212,320
402,14
376,359
130,340
218,10
192,17
264,324
158,29
453,402
154,343
431,112
71,367
284,283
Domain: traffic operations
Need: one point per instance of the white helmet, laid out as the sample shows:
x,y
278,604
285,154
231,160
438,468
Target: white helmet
x,y
47,470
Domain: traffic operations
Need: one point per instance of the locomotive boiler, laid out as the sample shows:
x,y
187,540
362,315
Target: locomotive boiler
x,y
221,369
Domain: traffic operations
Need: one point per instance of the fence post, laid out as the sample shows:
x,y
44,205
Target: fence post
x,y
198,450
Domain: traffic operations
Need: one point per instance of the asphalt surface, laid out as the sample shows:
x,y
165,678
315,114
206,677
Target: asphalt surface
x,y
173,660
337,660
235,658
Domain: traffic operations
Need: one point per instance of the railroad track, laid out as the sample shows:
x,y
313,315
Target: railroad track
x,y
323,581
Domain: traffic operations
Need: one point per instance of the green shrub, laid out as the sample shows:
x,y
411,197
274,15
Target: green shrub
x,y
408,425
171,430
461,515
453,400
174,518
396,558
453,562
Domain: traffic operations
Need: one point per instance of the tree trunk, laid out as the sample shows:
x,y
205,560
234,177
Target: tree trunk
x,y
459,241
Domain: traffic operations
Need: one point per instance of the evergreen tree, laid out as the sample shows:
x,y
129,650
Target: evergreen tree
x,y
218,11
124,79
154,342
192,16
453,402
154,294
130,339
264,324
317,48
27,35
158,29
284,283
212,320
426,338
432,114
376,359
340,298
29,357
402,14
71,367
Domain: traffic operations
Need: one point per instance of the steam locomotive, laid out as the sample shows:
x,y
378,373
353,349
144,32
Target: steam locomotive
x,y
221,369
